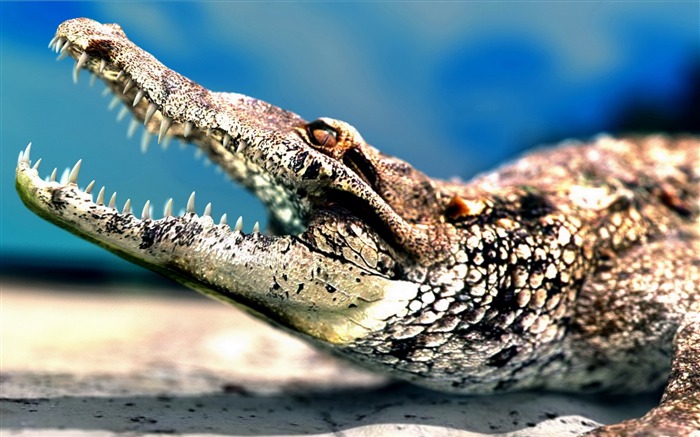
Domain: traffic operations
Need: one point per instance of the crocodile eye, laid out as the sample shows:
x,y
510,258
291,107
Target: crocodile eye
x,y
322,134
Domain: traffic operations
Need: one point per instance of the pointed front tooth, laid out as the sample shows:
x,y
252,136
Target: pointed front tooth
x,y
63,51
36,164
145,139
59,44
93,79
256,228
73,175
187,130
101,196
81,62
113,103
242,145
224,219
168,210
52,178
122,113
128,86
226,140
106,92
165,124
113,201
89,187
53,41
103,65
127,207
20,158
133,124
190,203
137,99
120,74
239,224
146,213
149,112
207,209
27,152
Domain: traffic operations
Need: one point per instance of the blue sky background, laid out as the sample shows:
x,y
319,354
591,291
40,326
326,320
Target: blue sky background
x,y
453,88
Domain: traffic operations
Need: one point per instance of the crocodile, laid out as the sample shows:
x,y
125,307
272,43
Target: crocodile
x,y
574,268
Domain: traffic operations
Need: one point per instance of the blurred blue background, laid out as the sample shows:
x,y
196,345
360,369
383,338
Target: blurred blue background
x,y
453,88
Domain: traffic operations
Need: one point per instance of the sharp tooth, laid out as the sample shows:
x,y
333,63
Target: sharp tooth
x,y
103,64
149,112
81,61
224,219
52,178
53,41
226,140
207,209
208,132
113,201
101,196
106,91
36,164
89,187
113,103
20,158
187,130
137,99
122,113
165,124
190,203
133,124
128,86
198,153
120,74
239,224
26,154
146,213
256,228
93,79
168,210
59,44
145,138
127,207
242,145
73,175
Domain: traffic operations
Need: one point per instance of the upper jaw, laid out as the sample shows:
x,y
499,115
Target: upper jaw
x,y
261,146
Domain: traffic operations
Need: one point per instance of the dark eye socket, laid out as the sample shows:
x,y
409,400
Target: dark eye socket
x,y
322,134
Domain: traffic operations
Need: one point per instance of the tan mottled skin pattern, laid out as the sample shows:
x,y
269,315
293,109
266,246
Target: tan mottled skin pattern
x,y
575,268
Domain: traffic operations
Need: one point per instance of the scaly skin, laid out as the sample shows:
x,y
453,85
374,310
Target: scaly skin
x,y
575,268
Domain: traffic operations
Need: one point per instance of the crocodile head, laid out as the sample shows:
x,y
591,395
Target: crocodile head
x,y
349,226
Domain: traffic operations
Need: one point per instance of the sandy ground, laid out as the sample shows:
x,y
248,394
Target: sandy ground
x,y
98,361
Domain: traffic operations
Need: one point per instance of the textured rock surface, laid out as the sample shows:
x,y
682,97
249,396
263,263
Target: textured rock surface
x,y
99,361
